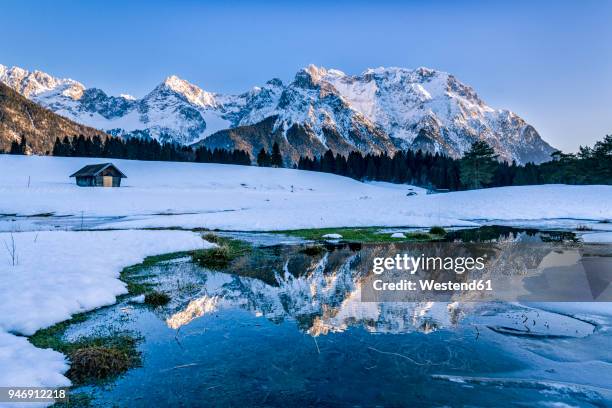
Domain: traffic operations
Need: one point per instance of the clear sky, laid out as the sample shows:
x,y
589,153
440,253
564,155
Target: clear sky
x,y
549,61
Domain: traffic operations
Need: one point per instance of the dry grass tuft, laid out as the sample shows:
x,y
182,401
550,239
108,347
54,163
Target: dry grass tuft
x,y
96,363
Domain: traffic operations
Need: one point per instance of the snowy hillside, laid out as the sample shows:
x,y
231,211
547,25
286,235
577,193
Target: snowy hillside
x,y
381,110
166,194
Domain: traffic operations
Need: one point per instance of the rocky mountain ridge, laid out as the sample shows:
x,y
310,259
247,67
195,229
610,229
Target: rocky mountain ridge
x,y
380,110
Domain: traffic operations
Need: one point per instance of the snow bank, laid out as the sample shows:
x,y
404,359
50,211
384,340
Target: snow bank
x,y
57,274
22,364
163,194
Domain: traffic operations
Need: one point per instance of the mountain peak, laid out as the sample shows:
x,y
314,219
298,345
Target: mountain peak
x,y
311,76
175,81
316,73
191,92
36,82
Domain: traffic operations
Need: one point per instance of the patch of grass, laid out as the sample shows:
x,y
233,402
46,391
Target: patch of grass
x,y
52,337
99,358
153,260
220,256
93,358
363,235
437,231
138,288
212,237
156,298
97,363
213,258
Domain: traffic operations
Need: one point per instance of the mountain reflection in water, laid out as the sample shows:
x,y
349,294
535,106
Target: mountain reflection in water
x,y
287,326
322,291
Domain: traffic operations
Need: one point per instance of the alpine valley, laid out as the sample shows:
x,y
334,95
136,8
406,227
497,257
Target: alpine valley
x,y
381,110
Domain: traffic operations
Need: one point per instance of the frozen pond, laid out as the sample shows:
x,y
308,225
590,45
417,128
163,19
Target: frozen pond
x,y
285,328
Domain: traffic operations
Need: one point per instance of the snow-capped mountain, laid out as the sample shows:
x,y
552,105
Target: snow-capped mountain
x,y
381,110
174,111
432,110
32,84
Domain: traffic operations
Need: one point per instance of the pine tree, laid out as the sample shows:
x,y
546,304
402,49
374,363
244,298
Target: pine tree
x,y
478,165
263,158
23,146
19,147
57,148
340,165
355,165
328,162
15,149
277,159
370,170
602,161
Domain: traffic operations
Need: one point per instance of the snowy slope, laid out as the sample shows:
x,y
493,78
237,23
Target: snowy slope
x,y
169,194
381,110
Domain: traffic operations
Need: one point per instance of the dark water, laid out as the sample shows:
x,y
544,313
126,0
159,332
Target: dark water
x,y
282,328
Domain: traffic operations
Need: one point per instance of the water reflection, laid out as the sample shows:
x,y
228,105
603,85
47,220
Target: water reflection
x,y
288,327
323,291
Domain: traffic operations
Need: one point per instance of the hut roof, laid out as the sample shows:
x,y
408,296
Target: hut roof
x,y
93,170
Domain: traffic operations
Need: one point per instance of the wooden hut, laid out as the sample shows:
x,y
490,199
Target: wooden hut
x,y
99,175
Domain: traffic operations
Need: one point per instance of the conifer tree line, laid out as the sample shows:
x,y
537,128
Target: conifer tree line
x,y
145,149
478,168
423,169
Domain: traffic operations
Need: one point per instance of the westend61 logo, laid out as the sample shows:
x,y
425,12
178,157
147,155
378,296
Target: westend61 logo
x,y
412,264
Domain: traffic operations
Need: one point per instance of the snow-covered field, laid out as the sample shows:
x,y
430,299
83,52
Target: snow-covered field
x,y
163,194
58,273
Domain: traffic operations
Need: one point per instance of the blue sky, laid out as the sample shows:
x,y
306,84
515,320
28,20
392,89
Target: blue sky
x,y
549,61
